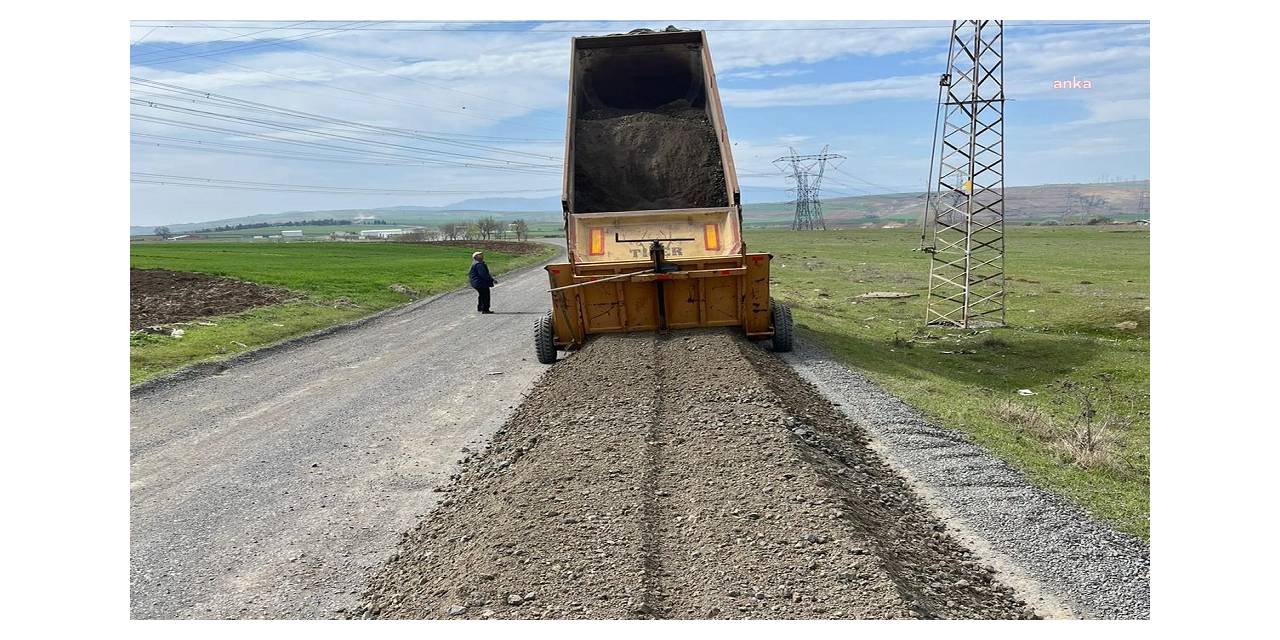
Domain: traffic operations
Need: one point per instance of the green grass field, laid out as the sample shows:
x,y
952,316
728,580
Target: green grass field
x,y
338,281
1077,336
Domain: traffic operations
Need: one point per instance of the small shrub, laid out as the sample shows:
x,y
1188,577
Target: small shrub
x,y
1089,441
994,342
139,338
1026,417
1090,444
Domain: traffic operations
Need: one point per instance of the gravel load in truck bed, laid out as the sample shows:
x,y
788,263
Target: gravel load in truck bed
x,y
634,160
688,475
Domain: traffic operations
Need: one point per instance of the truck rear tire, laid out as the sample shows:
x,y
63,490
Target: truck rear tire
x,y
544,339
781,314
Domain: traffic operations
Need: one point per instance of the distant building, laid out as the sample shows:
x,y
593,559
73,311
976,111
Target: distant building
x,y
380,234
291,233
1145,223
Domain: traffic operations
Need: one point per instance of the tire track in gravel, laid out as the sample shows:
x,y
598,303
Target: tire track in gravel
x,y
689,475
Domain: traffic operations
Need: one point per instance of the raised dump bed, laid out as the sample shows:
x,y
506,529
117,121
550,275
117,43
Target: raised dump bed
x,y
652,212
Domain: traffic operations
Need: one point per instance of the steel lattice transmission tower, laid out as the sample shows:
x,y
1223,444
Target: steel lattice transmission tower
x,y
807,171
965,207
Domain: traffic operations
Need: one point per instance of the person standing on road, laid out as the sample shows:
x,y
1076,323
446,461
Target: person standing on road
x,y
481,281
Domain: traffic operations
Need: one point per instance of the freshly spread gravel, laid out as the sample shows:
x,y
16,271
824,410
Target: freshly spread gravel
x,y
689,475
1076,561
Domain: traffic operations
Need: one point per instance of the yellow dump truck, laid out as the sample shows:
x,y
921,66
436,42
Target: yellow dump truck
x,y
652,214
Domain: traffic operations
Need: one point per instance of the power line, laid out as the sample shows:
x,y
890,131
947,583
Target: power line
x,y
245,47
860,191
266,137
209,42
712,29
215,54
878,186
268,124
206,146
330,147
144,36
281,126
228,101
196,181
331,87
414,80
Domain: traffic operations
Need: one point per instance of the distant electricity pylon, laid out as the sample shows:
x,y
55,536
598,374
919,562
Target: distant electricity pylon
x,y
965,207
807,172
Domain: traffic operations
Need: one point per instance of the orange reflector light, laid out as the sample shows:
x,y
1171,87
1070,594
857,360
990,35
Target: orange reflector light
x,y
597,242
711,237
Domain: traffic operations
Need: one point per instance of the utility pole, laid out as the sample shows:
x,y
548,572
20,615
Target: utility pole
x,y
965,207
807,171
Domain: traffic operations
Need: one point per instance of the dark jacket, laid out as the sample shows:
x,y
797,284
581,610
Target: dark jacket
x,y
479,276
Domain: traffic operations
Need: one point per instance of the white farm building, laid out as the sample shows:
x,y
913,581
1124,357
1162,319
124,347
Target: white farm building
x,y
381,233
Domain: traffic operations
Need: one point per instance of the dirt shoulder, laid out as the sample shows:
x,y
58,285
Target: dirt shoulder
x,y
680,476
160,296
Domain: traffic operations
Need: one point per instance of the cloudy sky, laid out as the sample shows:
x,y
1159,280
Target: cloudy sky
x,y
279,116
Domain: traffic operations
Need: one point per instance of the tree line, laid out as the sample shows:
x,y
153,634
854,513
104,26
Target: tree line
x,y
325,222
486,228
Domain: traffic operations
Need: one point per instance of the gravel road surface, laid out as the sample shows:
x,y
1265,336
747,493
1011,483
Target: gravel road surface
x,y
687,475
271,488
1067,563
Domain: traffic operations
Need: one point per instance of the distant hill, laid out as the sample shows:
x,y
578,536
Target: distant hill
x,y
550,203
393,215
1062,202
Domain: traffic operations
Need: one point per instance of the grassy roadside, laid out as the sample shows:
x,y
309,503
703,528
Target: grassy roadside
x,y
1077,337
337,282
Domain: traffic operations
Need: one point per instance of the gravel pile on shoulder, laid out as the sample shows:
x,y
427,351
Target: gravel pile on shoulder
x,y
639,160
680,476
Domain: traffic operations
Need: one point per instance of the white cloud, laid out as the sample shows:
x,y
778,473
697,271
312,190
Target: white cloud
x,y
514,84
764,73
793,139
803,95
1117,111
